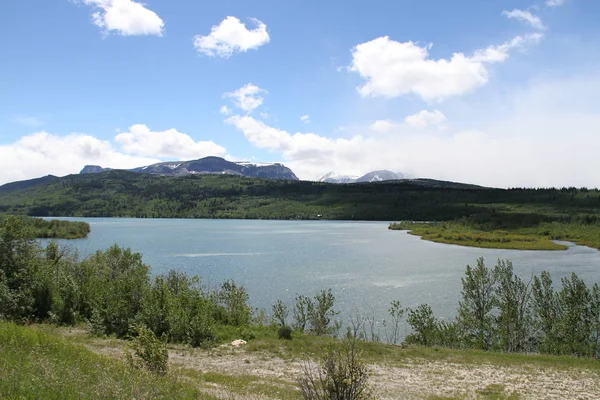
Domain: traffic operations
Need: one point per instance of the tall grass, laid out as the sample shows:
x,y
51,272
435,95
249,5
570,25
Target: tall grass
x,y
38,365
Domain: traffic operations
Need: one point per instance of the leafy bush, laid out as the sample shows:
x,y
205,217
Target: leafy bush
x,y
316,314
147,351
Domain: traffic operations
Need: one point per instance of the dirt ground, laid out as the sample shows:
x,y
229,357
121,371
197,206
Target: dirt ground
x,y
417,379
414,379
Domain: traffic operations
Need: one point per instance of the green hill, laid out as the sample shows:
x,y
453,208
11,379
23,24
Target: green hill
x,y
128,194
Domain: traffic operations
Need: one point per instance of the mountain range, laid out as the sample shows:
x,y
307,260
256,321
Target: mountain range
x,y
209,165
217,165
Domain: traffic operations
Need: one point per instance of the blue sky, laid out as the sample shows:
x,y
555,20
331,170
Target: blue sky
x,y
500,93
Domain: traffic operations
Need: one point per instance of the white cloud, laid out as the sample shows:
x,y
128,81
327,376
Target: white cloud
x,y
41,153
125,17
383,125
555,3
28,120
307,147
393,69
141,141
541,140
231,36
225,110
525,16
424,118
247,97
305,119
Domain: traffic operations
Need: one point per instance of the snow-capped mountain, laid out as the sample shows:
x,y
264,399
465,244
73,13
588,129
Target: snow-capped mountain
x,y
374,176
379,176
332,177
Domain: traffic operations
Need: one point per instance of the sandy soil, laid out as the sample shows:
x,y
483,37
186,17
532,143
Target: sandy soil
x,y
416,379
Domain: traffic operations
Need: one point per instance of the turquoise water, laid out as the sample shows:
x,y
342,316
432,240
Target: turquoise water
x,y
364,263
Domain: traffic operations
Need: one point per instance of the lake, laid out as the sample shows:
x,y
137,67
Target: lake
x,y
364,263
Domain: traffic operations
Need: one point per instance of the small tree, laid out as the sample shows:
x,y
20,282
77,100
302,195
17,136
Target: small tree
x,y
321,312
300,312
513,300
547,310
576,325
396,313
478,300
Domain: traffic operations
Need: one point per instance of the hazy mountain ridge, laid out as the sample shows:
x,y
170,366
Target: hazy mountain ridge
x,y
209,165
373,176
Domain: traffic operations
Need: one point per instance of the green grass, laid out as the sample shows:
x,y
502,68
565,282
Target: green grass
x,y
539,237
38,365
303,345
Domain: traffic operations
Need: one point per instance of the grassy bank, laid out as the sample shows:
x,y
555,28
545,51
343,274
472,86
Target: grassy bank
x,y
39,365
538,237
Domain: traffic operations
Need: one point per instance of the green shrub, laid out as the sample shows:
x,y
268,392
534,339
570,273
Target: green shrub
x,y
234,300
147,351
340,374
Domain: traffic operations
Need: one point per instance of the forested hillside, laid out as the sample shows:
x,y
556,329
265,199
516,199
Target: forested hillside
x,y
127,194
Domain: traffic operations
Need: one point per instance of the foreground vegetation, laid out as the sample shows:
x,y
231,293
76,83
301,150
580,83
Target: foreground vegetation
x,y
53,229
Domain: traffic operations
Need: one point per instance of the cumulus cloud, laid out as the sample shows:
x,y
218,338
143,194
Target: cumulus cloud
x,y
305,119
247,98
42,153
555,3
525,16
231,36
225,110
424,118
542,140
125,17
307,147
393,69
141,141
